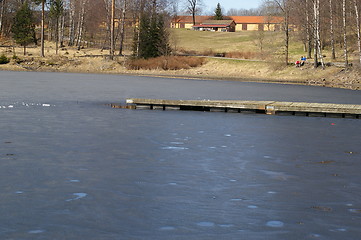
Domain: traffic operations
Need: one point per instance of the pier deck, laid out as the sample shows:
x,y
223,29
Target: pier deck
x,y
267,107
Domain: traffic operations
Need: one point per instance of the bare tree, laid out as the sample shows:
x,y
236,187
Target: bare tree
x,y
192,8
112,36
332,35
308,28
358,28
71,7
317,38
80,28
122,30
344,21
285,8
2,11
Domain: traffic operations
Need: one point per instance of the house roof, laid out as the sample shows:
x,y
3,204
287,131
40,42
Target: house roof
x,y
218,22
236,19
211,25
189,19
256,19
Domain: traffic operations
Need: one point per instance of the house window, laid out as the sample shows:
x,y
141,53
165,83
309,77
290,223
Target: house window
x,y
277,27
260,27
244,27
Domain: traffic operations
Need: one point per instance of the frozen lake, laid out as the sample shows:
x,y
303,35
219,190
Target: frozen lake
x,y
73,168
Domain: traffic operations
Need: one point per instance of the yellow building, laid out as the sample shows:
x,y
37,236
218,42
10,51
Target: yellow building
x,y
257,23
243,23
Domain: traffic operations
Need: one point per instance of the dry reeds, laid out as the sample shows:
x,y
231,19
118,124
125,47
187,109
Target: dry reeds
x,y
242,55
165,63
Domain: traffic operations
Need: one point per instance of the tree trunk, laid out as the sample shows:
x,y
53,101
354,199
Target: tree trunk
x,y
42,51
332,35
138,29
122,30
358,29
287,32
2,16
344,32
315,47
284,7
56,35
308,31
72,24
62,29
287,39
318,34
81,25
112,29
50,30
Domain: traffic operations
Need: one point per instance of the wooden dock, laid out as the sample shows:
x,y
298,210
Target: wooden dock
x,y
235,106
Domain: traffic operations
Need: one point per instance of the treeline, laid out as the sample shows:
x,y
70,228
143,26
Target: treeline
x,y
320,24
101,23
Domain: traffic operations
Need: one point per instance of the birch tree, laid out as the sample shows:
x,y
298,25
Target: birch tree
x,y
332,35
358,28
344,21
71,7
308,30
317,38
80,27
122,30
112,36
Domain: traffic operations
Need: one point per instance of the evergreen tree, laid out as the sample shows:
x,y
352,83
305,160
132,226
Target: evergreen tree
x,y
23,28
56,11
218,13
153,37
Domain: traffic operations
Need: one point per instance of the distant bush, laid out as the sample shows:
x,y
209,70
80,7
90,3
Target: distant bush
x,y
165,63
4,59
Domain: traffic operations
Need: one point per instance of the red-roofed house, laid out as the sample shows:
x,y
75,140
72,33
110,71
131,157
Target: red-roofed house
x,y
242,23
255,23
216,25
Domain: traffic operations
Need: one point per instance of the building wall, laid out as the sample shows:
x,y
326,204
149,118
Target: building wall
x,y
238,28
255,27
188,25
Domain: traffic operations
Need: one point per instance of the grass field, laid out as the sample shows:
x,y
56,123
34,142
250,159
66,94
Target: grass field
x,y
220,42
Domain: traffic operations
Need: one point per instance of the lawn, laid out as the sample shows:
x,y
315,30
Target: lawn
x,y
221,42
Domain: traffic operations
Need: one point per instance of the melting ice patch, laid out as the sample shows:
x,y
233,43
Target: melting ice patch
x,y
226,225
174,148
206,224
24,104
167,228
77,196
277,175
252,207
275,224
36,231
74,180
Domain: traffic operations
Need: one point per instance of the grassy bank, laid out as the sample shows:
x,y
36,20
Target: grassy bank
x,y
266,65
